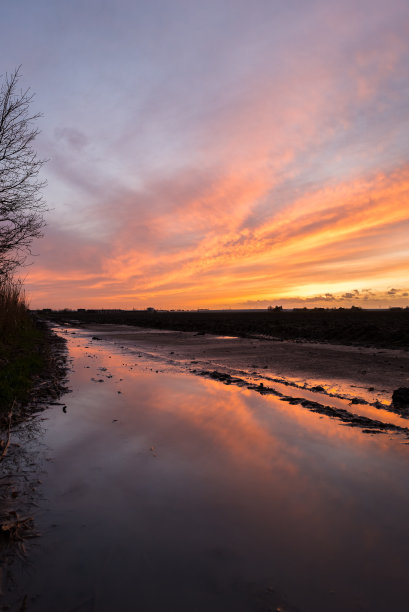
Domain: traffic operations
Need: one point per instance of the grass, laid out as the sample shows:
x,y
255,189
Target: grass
x,y
21,357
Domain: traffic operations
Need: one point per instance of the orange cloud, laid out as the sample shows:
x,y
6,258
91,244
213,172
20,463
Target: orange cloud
x,y
347,232
289,179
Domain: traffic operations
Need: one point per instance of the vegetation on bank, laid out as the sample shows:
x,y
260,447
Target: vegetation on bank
x,y
352,326
21,220
22,355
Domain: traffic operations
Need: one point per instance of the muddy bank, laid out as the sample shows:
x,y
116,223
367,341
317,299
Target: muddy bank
x,y
35,372
367,372
19,479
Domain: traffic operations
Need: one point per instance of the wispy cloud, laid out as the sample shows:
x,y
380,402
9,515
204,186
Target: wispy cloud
x,y
210,155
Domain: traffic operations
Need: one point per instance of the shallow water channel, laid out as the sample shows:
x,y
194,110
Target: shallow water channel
x,y
167,491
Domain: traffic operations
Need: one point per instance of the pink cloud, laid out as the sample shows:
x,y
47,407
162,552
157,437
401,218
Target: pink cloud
x,y
262,165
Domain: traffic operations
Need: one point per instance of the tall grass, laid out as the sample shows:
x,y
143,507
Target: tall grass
x,y
13,309
20,340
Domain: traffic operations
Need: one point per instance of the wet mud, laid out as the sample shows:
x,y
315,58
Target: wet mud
x,y
353,420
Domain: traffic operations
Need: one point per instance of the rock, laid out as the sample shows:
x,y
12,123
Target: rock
x,y
400,397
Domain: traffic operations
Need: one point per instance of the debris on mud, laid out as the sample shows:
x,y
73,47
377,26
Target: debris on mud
x,y
17,528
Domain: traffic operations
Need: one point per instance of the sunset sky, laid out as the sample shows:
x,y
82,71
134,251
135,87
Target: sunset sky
x,y
218,153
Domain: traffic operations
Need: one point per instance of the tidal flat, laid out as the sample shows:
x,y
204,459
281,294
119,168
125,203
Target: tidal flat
x,y
170,477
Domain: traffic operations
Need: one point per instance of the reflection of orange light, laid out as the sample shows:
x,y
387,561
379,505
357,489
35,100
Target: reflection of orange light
x,y
264,445
252,429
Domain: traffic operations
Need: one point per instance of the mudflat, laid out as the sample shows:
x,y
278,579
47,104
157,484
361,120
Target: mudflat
x,y
379,370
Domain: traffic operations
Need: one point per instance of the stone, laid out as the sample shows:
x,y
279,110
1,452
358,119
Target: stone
x,y
400,397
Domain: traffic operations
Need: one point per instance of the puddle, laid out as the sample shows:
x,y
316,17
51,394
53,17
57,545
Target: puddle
x,y
169,491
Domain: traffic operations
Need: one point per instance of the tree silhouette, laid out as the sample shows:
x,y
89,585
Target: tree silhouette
x,y
21,204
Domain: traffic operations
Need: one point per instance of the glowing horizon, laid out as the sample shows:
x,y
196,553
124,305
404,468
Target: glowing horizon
x,y
226,155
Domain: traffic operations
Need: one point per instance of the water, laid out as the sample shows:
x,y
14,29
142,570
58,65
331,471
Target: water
x,y
181,493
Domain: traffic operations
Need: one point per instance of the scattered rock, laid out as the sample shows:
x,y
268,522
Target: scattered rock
x,y
400,398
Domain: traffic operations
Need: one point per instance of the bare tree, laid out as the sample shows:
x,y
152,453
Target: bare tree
x,y
21,204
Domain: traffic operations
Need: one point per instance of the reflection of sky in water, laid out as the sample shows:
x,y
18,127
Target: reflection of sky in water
x,y
182,493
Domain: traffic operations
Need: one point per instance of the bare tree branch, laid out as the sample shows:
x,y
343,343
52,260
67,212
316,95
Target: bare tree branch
x,y
21,204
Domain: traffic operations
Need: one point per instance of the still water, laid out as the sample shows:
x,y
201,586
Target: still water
x,y
167,491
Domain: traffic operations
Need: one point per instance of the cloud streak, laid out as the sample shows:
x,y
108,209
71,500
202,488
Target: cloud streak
x,y
205,156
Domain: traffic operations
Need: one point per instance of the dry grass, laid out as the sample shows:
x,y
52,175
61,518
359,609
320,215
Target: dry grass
x,y
13,308
20,359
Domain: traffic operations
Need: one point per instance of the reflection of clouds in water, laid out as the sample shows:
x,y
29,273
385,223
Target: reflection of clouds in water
x,y
157,479
330,427
236,408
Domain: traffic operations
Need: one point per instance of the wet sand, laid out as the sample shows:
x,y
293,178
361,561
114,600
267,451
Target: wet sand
x,y
161,489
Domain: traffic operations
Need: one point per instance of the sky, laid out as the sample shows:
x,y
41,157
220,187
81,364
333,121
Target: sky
x,y
218,154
